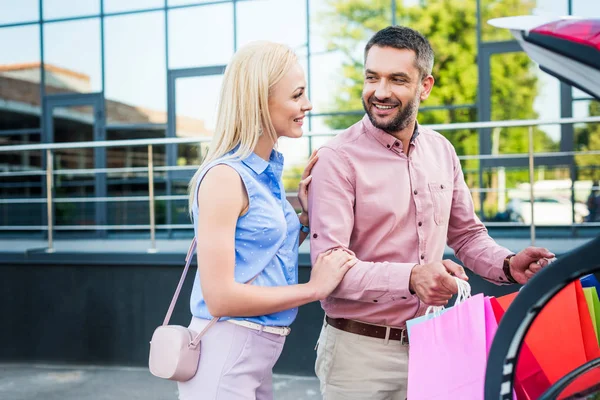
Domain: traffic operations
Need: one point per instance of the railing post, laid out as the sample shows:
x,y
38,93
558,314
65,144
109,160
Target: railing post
x,y
152,248
49,204
531,182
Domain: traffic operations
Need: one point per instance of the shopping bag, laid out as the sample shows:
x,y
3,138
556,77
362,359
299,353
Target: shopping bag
x,y
412,322
562,337
451,348
464,292
589,281
530,381
591,298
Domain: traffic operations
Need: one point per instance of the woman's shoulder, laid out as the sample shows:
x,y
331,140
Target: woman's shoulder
x,y
222,186
223,172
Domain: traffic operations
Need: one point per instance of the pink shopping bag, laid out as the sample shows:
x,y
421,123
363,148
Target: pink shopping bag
x,y
448,353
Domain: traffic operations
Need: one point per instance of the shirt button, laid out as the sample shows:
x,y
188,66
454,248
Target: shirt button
x,y
396,144
388,146
422,256
374,301
420,224
404,297
442,186
415,192
315,236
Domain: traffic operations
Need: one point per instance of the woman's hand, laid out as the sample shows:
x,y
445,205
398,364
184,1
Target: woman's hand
x,y
303,187
328,271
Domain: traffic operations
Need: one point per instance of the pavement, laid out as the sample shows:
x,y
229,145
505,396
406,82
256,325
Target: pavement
x,y
64,382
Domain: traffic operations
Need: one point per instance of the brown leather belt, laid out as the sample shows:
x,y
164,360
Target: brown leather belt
x,y
361,328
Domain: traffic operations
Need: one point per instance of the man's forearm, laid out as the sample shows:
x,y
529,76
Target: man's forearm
x,y
481,254
376,282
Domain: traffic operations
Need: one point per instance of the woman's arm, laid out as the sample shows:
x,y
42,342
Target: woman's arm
x,y
221,199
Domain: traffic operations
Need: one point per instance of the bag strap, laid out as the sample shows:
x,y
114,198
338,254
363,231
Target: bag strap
x,y
188,260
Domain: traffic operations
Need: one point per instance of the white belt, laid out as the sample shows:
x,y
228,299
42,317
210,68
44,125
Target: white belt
x,y
277,330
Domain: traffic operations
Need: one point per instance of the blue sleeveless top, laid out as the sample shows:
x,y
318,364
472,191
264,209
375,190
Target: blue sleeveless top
x,y
266,236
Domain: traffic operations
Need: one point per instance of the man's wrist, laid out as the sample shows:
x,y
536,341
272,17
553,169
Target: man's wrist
x,y
410,288
506,269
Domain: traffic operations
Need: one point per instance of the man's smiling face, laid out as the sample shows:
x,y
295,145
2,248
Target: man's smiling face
x,y
392,88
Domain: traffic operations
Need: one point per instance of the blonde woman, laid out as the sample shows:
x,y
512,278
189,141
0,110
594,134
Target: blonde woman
x,y
247,232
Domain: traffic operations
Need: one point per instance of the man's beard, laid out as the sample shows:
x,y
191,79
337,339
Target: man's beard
x,y
401,120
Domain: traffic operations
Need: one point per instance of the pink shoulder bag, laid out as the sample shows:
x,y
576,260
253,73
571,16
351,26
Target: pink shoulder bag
x,y
175,349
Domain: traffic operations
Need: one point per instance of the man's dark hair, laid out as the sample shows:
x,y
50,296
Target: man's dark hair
x,y
401,37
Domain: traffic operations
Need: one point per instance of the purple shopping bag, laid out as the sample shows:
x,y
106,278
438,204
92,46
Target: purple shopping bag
x,y
448,353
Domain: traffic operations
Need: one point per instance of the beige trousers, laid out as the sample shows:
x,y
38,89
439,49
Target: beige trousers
x,y
355,367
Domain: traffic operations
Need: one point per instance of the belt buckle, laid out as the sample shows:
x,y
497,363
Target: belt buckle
x,y
286,330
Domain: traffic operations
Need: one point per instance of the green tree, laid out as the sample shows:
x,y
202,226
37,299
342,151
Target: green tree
x,y
450,26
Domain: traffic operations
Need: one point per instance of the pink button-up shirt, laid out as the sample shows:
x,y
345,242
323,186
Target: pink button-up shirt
x,y
393,211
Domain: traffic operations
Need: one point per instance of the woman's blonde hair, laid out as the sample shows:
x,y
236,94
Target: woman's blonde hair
x,y
243,112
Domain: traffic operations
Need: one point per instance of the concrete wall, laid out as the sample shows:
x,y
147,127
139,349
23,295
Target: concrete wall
x,y
104,311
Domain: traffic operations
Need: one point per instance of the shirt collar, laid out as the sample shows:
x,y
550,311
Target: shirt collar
x,y
385,138
259,165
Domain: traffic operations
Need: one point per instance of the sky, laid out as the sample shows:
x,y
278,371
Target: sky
x,y
202,36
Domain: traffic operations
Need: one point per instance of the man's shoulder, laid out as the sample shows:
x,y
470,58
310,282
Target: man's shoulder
x,y
343,141
435,137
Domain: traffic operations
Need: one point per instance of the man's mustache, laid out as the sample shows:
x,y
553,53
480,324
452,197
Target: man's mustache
x,y
384,102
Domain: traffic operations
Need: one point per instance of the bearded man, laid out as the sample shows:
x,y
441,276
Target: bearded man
x,y
393,193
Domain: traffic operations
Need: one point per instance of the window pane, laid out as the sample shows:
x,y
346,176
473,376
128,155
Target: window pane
x,y
552,7
72,56
328,91
501,8
196,102
54,9
113,6
507,197
20,77
21,11
21,187
135,69
280,21
74,124
196,40
514,86
587,138
133,183
584,8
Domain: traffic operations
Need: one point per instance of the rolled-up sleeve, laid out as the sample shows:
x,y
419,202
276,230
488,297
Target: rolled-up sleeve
x,y
469,238
331,211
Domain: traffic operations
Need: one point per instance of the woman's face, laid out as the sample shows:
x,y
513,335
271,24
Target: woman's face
x,y
288,103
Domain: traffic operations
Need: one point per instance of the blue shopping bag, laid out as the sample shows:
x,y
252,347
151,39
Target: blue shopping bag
x,y
590,281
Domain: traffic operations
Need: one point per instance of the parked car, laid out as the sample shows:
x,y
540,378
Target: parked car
x,y
546,211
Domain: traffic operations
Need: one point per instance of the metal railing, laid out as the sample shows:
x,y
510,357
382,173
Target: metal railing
x,y
50,173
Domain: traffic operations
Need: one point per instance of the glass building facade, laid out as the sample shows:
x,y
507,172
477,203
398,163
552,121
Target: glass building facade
x,y
92,70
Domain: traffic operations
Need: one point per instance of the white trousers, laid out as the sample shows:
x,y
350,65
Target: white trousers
x,y
356,367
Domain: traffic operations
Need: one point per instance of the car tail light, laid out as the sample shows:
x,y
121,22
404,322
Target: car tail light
x,y
582,31
578,39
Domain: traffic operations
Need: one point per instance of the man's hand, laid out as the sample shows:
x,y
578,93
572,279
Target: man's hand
x,y
434,283
529,262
